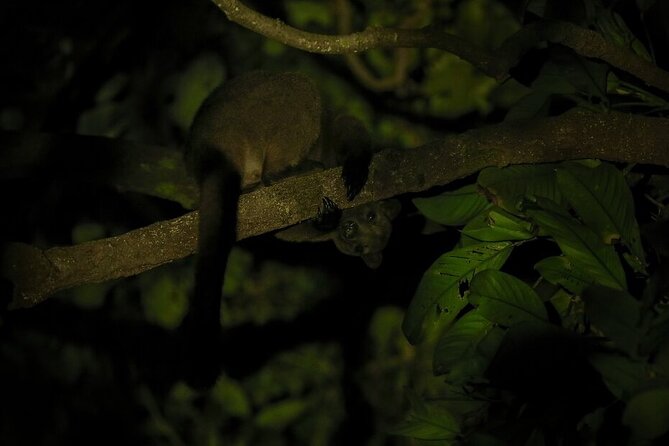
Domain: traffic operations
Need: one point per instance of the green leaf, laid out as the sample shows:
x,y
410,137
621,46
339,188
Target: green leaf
x,y
614,29
304,14
164,297
84,232
558,270
472,368
647,413
616,314
603,201
621,375
437,299
279,415
505,300
460,341
231,396
453,208
428,421
583,248
497,225
507,187
89,295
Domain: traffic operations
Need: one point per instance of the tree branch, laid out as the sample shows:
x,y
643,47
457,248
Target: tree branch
x,y
495,64
574,135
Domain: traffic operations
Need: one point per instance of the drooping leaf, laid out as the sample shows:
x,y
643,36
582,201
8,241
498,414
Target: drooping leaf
x,y
558,270
647,413
460,341
583,248
497,225
507,187
614,29
428,421
471,368
453,208
616,314
601,198
437,298
505,300
623,376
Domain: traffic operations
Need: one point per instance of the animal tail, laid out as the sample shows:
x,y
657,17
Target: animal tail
x,y
219,198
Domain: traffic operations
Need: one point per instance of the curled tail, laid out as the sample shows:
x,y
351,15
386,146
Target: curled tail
x,y
219,199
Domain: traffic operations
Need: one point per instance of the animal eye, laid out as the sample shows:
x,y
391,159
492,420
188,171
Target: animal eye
x,y
349,230
371,216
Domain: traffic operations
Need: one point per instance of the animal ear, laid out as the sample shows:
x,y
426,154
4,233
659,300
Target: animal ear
x,y
304,232
373,260
392,208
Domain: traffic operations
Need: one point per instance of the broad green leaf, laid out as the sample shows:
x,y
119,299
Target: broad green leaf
x,y
508,186
562,302
471,368
601,198
616,314
558,270
621,375
647,413
497,225
460,341
505,300
583,248
428,421
453,208
437,299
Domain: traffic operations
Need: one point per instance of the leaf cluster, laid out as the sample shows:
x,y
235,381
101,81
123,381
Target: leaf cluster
x,y
572,349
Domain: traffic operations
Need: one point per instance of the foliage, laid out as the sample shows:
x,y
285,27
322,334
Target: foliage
x,y
546,322
296,395
589,325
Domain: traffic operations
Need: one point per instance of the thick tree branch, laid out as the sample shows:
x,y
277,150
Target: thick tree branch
x,y
577,134
495,64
